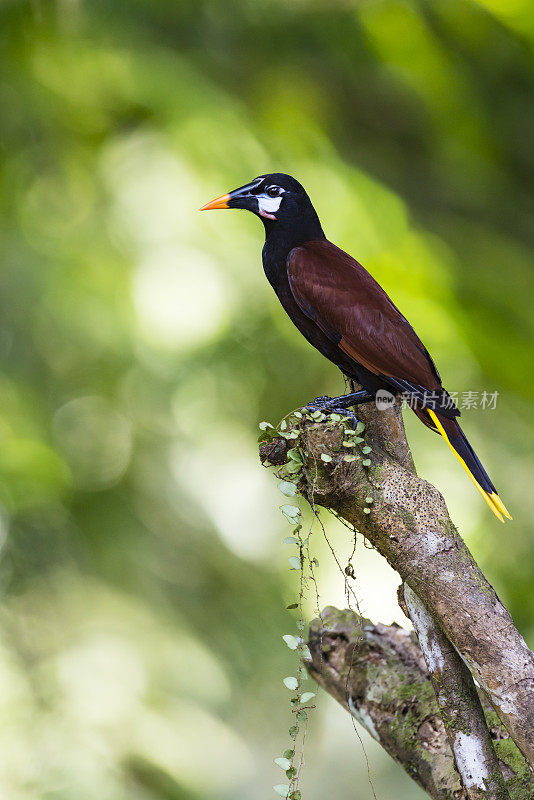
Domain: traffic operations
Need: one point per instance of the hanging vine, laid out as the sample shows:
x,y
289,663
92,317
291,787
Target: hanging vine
x,y
282,448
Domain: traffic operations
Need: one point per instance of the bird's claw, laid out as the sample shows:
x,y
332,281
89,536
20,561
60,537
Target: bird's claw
x,y
327,406
323,403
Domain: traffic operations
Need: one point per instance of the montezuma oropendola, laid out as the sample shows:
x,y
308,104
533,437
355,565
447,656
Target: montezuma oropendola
x,y
344,313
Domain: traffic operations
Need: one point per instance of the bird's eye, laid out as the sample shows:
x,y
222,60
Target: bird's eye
x,y
273,191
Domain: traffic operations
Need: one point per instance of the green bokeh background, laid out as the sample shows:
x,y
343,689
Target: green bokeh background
x,y
142,573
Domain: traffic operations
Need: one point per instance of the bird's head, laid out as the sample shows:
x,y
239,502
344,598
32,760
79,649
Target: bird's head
x,y
275,197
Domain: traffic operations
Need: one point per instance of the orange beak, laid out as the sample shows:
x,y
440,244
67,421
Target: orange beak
x,y
219,202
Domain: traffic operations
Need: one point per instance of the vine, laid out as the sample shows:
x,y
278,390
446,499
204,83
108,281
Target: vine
x,y
290,475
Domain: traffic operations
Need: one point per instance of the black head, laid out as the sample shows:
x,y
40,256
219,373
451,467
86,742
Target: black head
x,y
278,199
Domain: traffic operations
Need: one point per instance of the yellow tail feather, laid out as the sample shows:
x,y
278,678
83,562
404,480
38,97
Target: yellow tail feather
x,y
493,500
500,505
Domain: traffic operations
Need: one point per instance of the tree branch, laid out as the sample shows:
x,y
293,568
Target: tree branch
x,y
408,523
378,674
460,707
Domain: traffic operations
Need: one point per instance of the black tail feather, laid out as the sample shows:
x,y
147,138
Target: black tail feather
x,y
459,441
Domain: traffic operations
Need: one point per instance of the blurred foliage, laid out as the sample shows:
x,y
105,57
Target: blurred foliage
x,y
142,574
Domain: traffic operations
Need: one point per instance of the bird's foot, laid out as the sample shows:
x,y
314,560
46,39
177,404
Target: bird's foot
x,y
323,403
331,405
341,405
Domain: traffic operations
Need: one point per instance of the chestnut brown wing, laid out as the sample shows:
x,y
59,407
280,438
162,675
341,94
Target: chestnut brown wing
x,y
350,307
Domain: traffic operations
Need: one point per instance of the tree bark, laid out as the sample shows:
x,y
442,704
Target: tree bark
x,y
459,705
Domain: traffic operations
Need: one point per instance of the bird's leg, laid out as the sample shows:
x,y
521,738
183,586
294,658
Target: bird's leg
x,y
340,405
353,399
326,403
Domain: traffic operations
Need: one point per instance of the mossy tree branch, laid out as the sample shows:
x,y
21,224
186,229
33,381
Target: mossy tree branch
x,y
379,675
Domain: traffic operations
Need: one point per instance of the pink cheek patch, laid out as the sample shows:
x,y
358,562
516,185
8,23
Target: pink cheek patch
x,y
268,216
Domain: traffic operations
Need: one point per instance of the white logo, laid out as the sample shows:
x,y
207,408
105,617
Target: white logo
x,y
384,399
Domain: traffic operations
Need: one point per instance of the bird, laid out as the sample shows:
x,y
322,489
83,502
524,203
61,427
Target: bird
x,y
342,311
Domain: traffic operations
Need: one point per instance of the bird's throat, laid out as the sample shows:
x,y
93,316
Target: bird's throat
x,y
281,236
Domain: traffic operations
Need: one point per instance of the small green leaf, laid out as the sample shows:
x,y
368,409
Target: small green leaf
x,y
294,454
366,462
302,716
369,500
291,641
366,510
282,789
348,444
291,606
294,562
296,795
293,467
283,425
287,488
307,696
360,427
283,763
325,457
288,753
290,512
297,414
366,449
350,457
358,439
264,425
305,652
291,683
317,414
291,540
291,435
293,731
291,772
335,417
